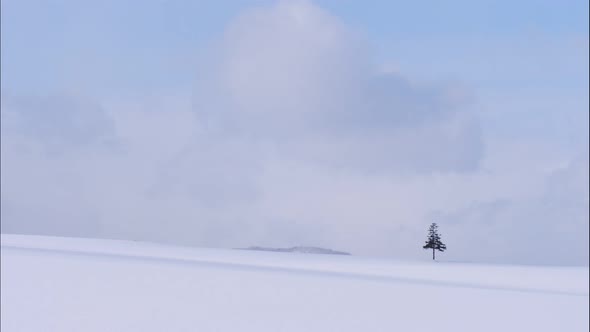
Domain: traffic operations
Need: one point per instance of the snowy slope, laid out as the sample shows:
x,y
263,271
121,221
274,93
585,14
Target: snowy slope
x,y
63,284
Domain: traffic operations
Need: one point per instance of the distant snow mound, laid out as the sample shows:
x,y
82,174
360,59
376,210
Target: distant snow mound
x,y
300,249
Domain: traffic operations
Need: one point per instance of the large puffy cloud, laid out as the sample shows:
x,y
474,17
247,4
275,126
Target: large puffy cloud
x,y
296,76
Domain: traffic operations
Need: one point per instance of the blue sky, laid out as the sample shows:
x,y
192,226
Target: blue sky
x,y
466,111
419,30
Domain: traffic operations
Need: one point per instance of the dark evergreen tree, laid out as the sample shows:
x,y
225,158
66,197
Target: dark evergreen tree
x,y
433,242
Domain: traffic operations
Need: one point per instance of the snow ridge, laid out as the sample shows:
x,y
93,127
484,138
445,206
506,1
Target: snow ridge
x,y
299,249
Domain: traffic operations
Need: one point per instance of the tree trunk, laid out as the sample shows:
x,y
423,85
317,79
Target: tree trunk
x,y
432,253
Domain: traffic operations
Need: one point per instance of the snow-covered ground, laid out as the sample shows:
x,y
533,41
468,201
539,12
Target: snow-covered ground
x,y
65,284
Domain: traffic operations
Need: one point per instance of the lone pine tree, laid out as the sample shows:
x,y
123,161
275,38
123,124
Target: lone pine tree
x,y
433,242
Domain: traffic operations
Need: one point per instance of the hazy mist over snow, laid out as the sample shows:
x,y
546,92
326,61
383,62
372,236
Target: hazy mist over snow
x,y
282,128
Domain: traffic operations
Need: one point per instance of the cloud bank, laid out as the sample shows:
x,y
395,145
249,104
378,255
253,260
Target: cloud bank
x,y
292,136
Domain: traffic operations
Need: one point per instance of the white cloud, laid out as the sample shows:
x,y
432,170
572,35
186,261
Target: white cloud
x,y
552,226
294,75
